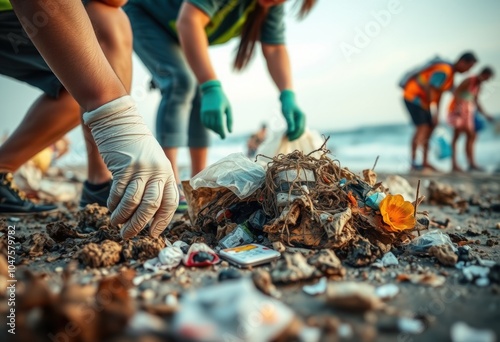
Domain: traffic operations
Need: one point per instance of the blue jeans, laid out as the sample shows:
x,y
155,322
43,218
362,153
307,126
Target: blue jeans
x,y
163,56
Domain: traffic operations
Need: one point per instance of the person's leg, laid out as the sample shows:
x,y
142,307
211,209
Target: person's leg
x,y
114,34
164,58
426,137
47,120
454,164
469,150
422,121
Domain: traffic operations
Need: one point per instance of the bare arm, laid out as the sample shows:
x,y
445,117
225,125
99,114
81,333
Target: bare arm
x,y
191,29
278,64
480,108
113,3
80,54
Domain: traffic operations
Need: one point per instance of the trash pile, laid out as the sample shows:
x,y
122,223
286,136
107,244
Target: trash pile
x,y
300,201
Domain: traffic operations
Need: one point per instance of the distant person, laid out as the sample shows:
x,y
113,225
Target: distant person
x,y
255,140
143,188
172,38
462,116
422,90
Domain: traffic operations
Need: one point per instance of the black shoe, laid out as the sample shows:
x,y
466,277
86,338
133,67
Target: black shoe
x,y
90,196
14,202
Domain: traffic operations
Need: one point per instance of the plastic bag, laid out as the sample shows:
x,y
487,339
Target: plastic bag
x,y
277,142
234,172
421,244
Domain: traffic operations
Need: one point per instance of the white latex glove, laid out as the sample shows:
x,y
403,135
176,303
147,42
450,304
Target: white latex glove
x,y
143,181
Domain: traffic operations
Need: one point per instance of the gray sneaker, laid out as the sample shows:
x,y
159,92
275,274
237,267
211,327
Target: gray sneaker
x,y
90,196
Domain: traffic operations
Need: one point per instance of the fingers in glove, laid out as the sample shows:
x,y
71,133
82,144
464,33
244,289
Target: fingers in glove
x,y
149,204
290,122
164,215
219,126
116,194
300,126
129,202
229,119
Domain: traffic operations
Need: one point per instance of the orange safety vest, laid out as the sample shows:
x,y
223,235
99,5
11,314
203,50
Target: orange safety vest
x,y
416,87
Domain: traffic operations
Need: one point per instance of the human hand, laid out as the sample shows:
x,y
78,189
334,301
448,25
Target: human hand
x,y
214,105
295,118
143,181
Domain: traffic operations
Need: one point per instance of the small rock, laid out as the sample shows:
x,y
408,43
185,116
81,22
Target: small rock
x,y
148,294
461,332
228,274
482,282
353,296
387,291
59,269
445,255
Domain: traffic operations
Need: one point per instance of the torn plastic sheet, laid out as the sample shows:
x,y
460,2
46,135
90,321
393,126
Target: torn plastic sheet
x,y
234,172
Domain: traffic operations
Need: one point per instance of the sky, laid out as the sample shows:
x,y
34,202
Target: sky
x,y
347,58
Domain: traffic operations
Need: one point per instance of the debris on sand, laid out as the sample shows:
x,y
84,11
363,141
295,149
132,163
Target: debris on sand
x,y
107,253
428,278
37,243
60,231
328,264
262,280
292,268
444,254
109,306
94,217
353,296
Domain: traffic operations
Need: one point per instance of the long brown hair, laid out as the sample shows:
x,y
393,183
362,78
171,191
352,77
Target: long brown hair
x,y
250,33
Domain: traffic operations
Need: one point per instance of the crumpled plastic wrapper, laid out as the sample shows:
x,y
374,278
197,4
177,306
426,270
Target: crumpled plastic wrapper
x,y
199,255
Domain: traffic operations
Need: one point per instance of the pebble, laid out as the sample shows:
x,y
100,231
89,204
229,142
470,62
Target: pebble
x,y
387,291
228,274
389,259
148,294
482,282
59,269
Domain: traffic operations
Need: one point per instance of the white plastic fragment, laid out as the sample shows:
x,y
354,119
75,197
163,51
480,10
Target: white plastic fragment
x,y
474,271
387,291
389,259
316,289
461,332
345,331
410,325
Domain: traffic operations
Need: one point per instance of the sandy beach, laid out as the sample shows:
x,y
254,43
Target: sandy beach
x,y
437,306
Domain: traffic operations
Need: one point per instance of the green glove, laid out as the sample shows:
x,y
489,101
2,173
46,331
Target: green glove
x,y
295,118
214,105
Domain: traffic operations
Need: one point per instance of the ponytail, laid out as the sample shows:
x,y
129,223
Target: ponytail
x,y
252,28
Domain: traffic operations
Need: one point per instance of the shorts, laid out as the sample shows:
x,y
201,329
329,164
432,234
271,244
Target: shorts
x,y
20,59
419,116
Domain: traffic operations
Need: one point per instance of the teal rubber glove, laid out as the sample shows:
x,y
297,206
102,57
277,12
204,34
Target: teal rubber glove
x,y
295,118
214,105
